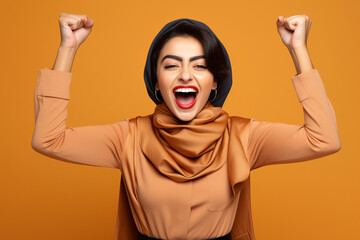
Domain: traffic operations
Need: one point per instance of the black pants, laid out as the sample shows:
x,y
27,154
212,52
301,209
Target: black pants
x,y
226,237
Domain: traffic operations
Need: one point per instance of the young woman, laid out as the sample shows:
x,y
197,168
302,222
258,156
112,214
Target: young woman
x,y
185,168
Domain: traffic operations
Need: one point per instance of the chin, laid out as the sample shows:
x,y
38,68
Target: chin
x,y
186,117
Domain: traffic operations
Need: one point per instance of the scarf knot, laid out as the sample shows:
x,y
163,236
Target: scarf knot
x,y
194,138
183,151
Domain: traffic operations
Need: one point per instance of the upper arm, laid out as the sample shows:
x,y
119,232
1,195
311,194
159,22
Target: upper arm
x,y
274,143
100,145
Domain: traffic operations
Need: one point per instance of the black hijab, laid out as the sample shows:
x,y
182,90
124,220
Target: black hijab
x,y
223,87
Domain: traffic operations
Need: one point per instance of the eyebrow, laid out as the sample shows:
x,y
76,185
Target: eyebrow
x,y
180,59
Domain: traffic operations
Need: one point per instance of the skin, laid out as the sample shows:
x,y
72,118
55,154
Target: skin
x,y
293,32
174,72
74,29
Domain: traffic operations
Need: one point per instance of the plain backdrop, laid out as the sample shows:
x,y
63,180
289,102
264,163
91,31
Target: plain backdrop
x,y
42,198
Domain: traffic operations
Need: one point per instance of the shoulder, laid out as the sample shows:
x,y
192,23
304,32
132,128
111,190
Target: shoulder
x,y
137,121
238,122
239,127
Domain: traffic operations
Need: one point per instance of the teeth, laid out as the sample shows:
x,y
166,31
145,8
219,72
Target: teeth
x,y
185,90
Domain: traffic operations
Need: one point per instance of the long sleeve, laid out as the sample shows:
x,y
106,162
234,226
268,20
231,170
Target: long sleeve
x,y
276,143
99,145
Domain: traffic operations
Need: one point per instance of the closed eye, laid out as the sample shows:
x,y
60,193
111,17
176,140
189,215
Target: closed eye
x,y
170,66
201,66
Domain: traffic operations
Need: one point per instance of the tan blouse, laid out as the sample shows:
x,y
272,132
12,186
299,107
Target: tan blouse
x,y
198,209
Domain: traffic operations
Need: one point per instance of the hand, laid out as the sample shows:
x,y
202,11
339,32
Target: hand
x,y
294,30
74,29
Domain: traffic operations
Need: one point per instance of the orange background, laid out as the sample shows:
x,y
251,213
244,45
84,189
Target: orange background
x,y
42,198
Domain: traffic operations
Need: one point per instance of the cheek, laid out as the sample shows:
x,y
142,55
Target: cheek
x,y
163,81
207,81
166,77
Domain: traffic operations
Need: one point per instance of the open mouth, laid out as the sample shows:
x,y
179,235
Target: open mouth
x,y
185,96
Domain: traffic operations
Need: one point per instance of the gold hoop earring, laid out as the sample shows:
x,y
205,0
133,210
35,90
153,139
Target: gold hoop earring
x,y
159,99
213,92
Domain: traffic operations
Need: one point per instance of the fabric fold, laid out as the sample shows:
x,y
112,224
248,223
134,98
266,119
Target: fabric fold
x,y
184,151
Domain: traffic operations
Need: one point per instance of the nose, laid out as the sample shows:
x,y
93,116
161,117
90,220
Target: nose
x,y
185,74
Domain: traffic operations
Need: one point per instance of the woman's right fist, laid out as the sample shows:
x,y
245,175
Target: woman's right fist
x,y
74,29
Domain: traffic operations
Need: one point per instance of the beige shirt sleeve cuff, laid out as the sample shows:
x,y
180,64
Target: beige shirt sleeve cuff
x,y
307,84
53,83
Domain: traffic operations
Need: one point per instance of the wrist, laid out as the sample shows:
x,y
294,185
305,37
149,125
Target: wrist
x,y
301,59
302,48
64,58
67,50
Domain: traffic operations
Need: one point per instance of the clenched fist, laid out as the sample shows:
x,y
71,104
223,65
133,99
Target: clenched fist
x,y
74,29
294,30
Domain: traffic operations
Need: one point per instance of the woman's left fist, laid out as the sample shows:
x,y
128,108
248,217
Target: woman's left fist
x,y
294,30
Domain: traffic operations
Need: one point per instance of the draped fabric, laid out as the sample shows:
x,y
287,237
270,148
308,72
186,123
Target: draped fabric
x,y
183,151
186,150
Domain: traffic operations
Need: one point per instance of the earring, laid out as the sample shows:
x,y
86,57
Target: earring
x,y
159,99
213,92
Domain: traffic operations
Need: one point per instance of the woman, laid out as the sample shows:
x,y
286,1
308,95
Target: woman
x,y
185,168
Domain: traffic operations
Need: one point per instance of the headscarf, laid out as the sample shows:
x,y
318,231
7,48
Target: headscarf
x,y
223,87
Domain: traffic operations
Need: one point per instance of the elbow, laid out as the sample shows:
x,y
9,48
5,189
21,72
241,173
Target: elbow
x,y
324,143
330,147
336,146
47,144
36,144
333,148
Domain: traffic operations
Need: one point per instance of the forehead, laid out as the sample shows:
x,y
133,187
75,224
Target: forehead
x,y
183,46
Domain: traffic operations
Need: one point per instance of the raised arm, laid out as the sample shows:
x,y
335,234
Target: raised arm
x,y
92,145
275,143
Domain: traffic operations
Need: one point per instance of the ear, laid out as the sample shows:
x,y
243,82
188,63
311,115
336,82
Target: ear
x,y
214,85
157,86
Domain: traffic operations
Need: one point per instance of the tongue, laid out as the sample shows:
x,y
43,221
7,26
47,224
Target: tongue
x,y
185,98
